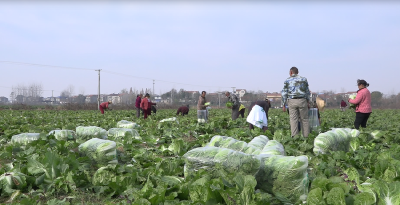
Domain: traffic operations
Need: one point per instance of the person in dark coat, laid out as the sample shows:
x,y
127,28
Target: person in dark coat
x,y
154,109
343,105
137,105
184,110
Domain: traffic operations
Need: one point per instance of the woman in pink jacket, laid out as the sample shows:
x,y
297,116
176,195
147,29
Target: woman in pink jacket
x,y
363,104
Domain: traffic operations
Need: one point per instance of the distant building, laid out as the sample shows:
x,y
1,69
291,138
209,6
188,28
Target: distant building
x,y
114,98
157,99
274,97
3,100
240,92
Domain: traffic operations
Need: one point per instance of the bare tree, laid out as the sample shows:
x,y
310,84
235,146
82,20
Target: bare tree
x,y
71,90
82,90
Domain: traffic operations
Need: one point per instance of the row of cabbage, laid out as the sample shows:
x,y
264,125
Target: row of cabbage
x,y
283,176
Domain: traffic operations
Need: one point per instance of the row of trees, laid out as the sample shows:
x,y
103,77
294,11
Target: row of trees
x,y
33,90
180,97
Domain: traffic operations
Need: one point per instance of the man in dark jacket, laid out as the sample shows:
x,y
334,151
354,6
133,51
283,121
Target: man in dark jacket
x,y
184,110
137,105
235,104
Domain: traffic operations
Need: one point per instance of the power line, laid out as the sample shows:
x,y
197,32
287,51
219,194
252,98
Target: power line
x,y
107,71
127,75
41,65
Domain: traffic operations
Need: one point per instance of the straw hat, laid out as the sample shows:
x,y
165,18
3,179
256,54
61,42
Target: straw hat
x,y
320,103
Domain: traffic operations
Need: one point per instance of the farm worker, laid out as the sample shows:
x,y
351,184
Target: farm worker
x,y
343,105
202,112
242,109
152,107
146,105
265,104
363,104
184,110
103,106
297,96
137,104
258,116
235,104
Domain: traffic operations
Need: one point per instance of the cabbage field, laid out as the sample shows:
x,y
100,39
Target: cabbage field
x,y
166,160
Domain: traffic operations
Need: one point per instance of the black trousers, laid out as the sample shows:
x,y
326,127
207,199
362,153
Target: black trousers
x,y
241,112
361,119
251,126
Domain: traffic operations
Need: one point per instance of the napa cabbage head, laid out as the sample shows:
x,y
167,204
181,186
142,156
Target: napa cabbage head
x,y
353,96
11,181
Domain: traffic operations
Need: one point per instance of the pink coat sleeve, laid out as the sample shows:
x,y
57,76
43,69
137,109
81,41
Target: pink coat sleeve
x,y
359,97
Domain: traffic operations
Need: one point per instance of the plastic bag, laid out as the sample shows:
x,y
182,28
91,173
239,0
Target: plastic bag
x,y
227,142
25,138
63,134
202,116
210,158
127,124
273,147
172,119
337,139
101,151
313,119
285,177
120,133
87,133
259,142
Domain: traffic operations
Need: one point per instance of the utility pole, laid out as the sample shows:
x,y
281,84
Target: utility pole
x,y
153,89
52,98
98,92
233,89
219,100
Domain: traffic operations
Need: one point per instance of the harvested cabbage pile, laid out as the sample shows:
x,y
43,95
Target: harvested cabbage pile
x,y
253,147
273,147
101,151
337,139
63,134
202,116
127,124
24,138
285,177
86,133
120,133
212,158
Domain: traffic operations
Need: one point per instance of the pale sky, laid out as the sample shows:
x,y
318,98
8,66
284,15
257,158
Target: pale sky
x,y
200,46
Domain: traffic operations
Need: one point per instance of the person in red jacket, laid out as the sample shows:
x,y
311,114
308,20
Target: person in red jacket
x,y
184,110
103,106
363,104
343,105
146,105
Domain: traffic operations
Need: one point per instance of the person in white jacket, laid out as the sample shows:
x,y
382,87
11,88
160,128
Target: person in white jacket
x,y
257,117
